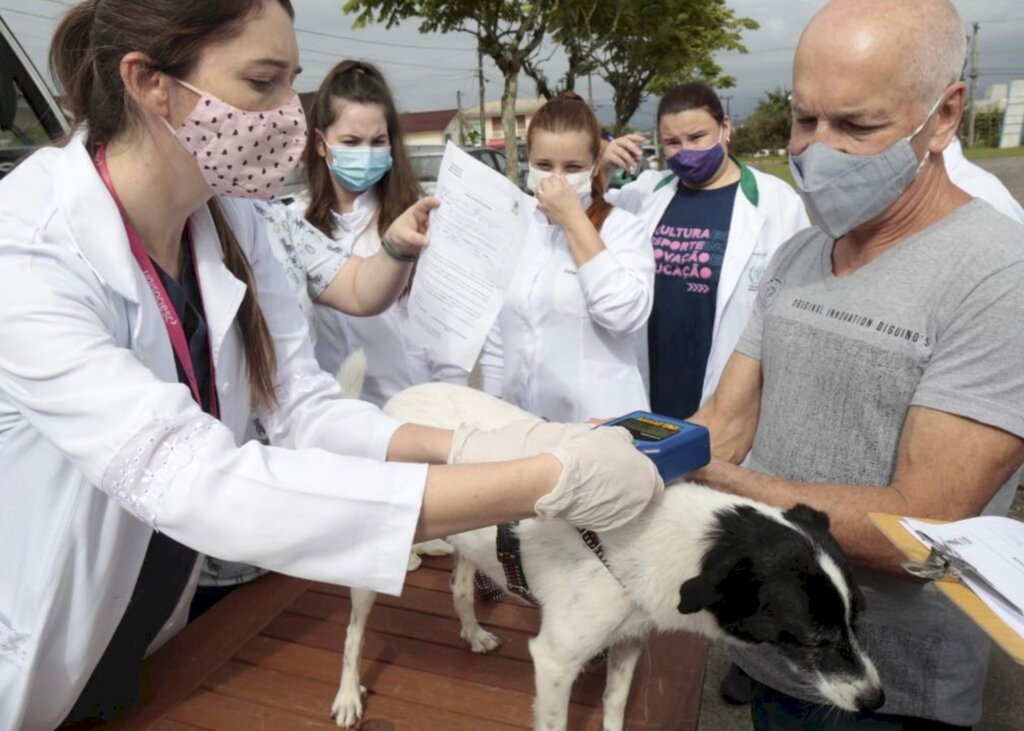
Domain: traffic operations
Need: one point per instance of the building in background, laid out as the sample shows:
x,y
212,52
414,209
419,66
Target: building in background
x,y
493,134
1013,118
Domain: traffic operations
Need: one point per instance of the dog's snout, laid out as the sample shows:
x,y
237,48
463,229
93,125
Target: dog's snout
x,y
870,699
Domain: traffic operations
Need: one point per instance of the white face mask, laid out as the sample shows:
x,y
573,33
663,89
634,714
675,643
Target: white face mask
x,y
581,182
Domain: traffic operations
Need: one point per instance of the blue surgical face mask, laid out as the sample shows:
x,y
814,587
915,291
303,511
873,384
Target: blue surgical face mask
x,y
358,168
843,191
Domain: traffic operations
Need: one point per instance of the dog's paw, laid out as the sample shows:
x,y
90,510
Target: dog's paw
x,y
348,707
414,562
435,547
480,640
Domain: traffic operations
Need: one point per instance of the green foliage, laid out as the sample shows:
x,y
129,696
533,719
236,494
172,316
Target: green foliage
x,y
988,126
509,32
767,127
657,44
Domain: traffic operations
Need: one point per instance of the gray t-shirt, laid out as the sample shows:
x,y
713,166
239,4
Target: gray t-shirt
x,y
937,321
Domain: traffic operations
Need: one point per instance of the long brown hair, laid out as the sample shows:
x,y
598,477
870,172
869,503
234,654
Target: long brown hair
x,y
85,58
362,83
569,112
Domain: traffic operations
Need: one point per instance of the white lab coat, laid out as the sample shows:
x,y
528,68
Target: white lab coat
x,y
979,183
766,214
393,361
100,444
569,341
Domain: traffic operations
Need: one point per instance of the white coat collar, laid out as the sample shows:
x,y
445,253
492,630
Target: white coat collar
x,y
93,219
98,231
364,209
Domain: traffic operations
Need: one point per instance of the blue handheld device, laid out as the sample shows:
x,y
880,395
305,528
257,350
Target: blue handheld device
x,y
676,447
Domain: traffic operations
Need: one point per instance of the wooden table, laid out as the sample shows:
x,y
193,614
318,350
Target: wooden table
x,y
269,657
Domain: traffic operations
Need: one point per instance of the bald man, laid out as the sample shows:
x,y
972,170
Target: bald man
x,y
880,371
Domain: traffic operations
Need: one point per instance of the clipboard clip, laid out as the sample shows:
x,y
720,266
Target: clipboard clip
x,y
938,565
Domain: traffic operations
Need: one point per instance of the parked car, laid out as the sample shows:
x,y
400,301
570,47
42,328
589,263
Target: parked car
x,y
29,115
426,163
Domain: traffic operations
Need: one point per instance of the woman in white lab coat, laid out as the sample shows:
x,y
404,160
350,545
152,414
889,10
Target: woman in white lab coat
x,y
360,180
143,318
714,223
569,341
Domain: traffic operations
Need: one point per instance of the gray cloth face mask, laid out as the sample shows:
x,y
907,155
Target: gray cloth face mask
x,y
842,191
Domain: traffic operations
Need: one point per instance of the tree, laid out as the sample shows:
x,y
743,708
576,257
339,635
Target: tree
x,y
767,127
509,32
580,28
657,44
988,126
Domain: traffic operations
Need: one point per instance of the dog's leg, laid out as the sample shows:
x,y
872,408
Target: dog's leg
x,y
622,659
479,639
348,703
555,668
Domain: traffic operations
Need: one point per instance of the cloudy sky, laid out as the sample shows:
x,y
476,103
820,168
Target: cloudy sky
x,y
427,71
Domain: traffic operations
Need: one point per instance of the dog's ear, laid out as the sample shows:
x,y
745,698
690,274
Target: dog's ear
x,y
698,593
712,585
807,516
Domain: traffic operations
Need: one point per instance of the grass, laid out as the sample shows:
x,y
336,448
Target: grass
x,y
976,153
779,166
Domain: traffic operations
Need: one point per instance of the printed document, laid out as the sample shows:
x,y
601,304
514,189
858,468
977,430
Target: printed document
x,y
475,238
989,553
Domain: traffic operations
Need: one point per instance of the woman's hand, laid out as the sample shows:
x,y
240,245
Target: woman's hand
x,y
558,201
622,152
407,234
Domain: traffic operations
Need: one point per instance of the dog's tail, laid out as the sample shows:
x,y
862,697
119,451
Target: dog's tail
x,y
352,374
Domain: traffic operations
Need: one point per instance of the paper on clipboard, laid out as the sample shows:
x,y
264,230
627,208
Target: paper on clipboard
x,y
989,550
476,236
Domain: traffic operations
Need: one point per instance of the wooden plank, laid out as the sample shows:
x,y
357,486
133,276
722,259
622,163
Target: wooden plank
x,y
489,670
502,614
217,712
169,725
406,622
423,688
313,699
416,648
178,669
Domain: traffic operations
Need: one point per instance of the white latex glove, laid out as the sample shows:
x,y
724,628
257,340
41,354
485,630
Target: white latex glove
x,y
522,438
605,483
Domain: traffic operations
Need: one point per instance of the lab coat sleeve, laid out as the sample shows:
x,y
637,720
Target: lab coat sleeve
x,y
310,513
309,411
618,283
492,362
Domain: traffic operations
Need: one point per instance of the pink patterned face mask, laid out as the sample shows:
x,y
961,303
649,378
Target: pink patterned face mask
x,y
243,154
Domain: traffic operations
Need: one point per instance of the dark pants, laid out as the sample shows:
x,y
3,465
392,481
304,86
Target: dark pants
x,y
771,710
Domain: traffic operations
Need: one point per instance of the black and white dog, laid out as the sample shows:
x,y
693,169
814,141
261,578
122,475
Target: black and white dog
x,y
697,560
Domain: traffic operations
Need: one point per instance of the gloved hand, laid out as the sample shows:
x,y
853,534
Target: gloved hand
x,y
605,482
523,438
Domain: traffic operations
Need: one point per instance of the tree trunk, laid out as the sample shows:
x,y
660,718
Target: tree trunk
x,y
508,124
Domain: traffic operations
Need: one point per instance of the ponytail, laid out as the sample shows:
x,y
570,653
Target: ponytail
x,y
260,357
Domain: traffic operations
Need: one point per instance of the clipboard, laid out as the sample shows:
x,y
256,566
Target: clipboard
x,y
958,593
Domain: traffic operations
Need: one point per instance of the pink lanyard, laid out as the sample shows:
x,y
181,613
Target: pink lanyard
x,y
175,329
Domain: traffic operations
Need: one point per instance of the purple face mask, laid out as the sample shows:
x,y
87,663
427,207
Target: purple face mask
x,y
696,167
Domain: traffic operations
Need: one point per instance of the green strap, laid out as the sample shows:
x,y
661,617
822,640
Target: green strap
x,y
748,183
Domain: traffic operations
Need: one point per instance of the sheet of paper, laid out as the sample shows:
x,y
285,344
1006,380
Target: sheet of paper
x,y
993,548
475,239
